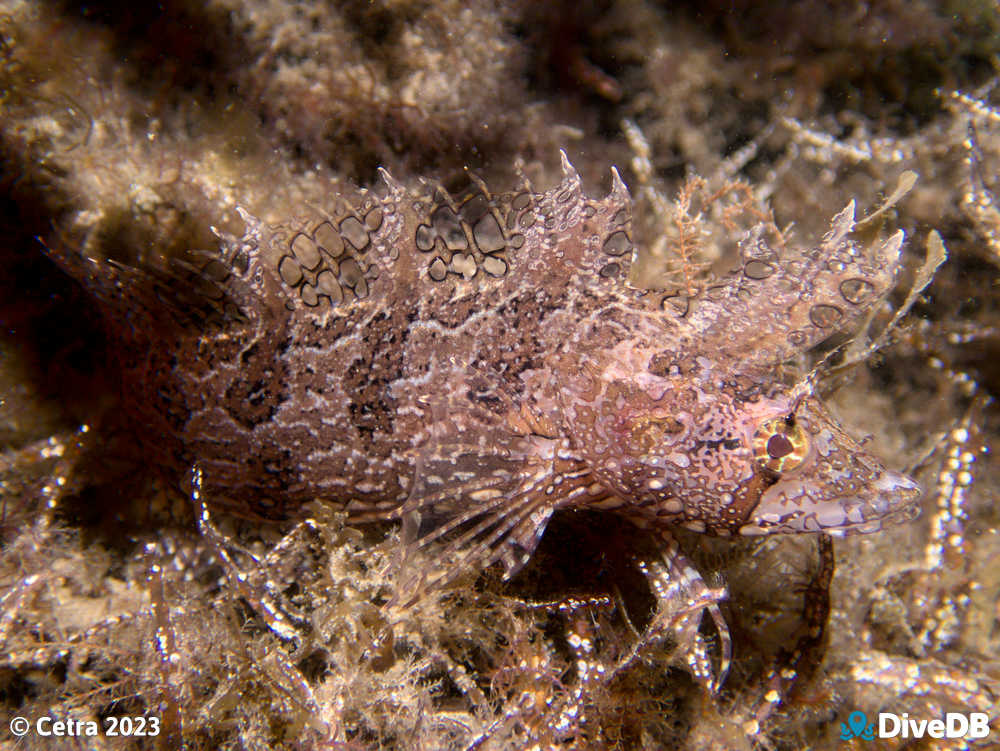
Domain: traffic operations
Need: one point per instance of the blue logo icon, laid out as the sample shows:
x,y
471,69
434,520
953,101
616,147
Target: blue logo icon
x,y
857,727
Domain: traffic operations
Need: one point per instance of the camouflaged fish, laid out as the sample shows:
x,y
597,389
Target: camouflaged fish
x,y
475,364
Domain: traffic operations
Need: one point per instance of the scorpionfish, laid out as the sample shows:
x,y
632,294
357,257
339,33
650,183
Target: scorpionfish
x,y
474,364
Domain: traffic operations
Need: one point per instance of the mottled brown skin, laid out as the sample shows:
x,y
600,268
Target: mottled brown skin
x,y
472,365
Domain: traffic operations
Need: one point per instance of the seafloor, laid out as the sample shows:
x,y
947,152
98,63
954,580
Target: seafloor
x,y
129,130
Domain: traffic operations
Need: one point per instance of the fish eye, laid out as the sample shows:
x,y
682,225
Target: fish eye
x,y
780,444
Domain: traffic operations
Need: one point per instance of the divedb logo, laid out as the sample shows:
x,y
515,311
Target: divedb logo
x,y
968,725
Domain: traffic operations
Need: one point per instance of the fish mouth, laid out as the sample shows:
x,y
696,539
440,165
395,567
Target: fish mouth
x,y
891,498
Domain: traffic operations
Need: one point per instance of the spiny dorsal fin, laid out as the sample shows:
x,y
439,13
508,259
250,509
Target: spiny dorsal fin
x,y
783,301
390,241
384,243
576,235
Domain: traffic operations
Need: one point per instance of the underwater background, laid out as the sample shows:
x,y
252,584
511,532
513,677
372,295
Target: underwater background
x,y
131,132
